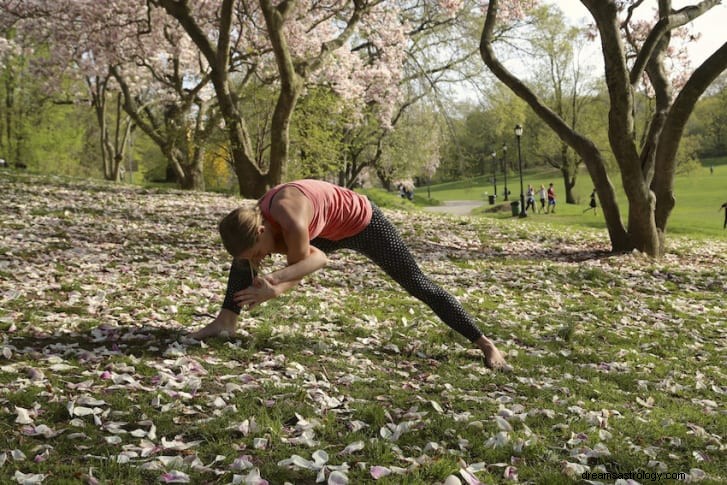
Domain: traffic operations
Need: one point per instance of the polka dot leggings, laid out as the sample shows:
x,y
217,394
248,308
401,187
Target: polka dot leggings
x,y
381,243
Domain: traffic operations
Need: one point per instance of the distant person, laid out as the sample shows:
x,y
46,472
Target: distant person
x,y
530,199
551,199
542,195
306,220
711,169
592,204
724,206
3,163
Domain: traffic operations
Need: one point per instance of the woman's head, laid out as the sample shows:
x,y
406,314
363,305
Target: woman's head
x,y
240,229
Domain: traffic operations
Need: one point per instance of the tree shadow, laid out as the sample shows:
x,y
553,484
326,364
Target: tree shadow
x,y
104,340
428,251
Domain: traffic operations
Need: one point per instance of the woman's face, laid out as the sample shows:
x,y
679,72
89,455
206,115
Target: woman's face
x,y
262,248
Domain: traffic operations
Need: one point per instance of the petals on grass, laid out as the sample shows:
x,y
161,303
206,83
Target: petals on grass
x,y
175,476
379,472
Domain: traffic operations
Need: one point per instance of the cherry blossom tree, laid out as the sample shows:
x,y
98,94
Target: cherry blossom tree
x,y
141,57
647,164
292,42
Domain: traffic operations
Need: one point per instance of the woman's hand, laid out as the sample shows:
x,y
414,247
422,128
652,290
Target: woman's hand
x,y
261,290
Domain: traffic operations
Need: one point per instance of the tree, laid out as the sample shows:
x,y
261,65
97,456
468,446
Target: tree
x,y
301,37
648,164
557,49
121,50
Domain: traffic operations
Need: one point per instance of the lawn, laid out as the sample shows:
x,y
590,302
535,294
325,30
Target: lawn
x,y
619,360
699,195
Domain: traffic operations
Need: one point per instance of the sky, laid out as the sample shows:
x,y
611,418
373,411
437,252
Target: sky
x,y
711,26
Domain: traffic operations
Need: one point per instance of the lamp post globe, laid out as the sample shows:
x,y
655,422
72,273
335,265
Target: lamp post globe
x,y
518,134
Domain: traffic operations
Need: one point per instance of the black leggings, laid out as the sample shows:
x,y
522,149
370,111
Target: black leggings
x,y
381,243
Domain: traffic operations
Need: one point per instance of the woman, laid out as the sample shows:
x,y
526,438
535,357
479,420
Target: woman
x,y
530,198
592,204
307,219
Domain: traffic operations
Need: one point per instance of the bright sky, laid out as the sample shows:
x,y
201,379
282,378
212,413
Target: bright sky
x,y
711,25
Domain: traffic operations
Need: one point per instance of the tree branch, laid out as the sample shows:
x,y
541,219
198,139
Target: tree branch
x,y
664,25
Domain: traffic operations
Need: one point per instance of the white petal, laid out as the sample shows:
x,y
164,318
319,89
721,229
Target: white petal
x,y
28,478
23,416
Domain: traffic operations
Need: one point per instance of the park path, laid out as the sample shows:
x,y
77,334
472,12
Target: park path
x,y
456,207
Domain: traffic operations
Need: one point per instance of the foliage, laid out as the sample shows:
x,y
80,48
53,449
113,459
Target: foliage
x,y
317,140
618,358
218,176
709,121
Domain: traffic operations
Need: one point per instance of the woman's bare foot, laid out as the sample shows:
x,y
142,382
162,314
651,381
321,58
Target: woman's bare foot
x,y
222,326
493,357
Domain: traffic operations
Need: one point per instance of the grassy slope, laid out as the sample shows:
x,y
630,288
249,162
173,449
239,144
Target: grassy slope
x,y
699,196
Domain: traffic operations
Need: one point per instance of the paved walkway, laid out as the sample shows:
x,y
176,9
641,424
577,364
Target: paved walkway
x,y
456,207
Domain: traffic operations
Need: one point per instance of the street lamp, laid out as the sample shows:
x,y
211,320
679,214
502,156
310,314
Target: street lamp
x,y
494,173
518,134
504,168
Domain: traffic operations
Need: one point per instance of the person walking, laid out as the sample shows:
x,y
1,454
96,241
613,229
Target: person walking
x,y
306,220
592,204
724,206
530,199
551,199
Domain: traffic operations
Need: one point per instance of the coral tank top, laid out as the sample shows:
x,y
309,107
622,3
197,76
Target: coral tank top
x,y
338,212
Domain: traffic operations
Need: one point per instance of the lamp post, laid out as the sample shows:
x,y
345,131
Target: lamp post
x,y
504,168
518,134
494,174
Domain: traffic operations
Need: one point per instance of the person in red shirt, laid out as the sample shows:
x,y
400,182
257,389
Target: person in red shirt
x,y
551,199
305,220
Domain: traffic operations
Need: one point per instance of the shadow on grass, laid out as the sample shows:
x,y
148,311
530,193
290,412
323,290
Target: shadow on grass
x,y
105,340
430,251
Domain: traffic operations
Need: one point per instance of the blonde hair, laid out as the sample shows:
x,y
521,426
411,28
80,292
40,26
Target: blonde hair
x,y
239,229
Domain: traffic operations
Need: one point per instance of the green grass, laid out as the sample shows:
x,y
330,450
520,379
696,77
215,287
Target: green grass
x,y
618,359
699,195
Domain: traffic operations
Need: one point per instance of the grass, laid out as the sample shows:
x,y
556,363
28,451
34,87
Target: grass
x,y
618,359
699,195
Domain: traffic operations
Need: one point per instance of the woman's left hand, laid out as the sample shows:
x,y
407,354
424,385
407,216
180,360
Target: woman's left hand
x,y
261,290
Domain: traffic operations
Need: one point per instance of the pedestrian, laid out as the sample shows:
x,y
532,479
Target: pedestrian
x,y
542,195
724,206
306,220
592,204
551,199
530,198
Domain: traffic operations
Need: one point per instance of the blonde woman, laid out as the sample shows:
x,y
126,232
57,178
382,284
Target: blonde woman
x,y
305,220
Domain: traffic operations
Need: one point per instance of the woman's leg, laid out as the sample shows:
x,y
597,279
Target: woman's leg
x,y
381,242
240,277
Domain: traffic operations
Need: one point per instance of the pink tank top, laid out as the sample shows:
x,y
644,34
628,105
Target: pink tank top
x,y
338,212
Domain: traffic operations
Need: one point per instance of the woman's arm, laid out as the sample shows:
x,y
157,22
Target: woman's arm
x,y
315,260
